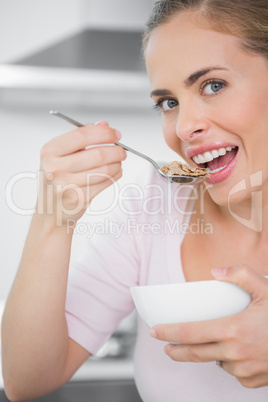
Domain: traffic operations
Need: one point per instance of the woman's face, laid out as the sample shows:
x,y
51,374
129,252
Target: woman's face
x,y
213,97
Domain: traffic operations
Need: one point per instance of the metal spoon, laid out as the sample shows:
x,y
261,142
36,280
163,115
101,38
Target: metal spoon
x,y
170,178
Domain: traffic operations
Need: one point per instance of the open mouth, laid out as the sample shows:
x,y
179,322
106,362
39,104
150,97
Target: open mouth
x,y
216,160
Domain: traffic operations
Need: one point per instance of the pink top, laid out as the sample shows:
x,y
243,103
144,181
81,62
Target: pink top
x,y
140,245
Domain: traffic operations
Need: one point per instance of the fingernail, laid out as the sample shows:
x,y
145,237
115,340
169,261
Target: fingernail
x,y
101,123
118,134
166,349
219,271
153,333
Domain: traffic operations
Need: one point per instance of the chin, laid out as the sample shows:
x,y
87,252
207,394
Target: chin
x,y
230,195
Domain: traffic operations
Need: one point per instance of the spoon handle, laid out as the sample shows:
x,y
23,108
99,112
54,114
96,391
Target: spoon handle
x,y
139,154
76,123
64,117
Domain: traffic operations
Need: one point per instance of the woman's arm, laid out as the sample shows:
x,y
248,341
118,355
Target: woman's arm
x,y
38,355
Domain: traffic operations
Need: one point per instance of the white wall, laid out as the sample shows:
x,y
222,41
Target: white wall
x,y
29,25
123,14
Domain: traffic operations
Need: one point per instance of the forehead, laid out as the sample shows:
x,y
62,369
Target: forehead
x,y
181,46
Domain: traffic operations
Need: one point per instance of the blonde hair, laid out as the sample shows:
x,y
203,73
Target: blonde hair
x,y
246,19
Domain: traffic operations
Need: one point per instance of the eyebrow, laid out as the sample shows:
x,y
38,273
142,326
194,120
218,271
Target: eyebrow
x,y
195,76
189,81
161,92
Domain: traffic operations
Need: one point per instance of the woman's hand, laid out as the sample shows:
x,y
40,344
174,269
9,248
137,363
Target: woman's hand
x,y
240,341
71,175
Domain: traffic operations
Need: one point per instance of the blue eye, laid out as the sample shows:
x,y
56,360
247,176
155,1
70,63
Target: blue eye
x,y
166,104
212,87
169,104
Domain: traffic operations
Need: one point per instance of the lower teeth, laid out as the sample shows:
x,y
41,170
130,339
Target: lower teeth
x,y
216,170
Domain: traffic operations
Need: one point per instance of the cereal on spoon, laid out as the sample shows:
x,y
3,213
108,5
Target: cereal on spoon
x,y
178,168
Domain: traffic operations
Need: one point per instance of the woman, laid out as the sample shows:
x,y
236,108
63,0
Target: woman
x,y
208,68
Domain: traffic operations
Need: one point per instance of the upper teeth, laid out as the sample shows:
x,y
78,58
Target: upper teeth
x,y
209,156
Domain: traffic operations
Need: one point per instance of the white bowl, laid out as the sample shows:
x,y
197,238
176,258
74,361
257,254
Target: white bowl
x,y
188,302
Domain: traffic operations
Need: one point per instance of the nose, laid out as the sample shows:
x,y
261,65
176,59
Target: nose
x,y
191,123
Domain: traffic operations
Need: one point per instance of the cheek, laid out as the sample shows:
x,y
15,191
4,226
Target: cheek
x,y
241,115
247,115
249,125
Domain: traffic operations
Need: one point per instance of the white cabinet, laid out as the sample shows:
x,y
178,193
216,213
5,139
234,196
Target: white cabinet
x,y
29,25
123,14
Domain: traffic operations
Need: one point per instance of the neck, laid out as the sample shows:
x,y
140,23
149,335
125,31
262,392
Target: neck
x,y
250,215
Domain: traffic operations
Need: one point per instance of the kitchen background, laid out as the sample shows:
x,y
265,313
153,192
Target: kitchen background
x,y
81,57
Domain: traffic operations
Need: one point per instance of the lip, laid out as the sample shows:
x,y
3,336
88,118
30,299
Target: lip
x,y
224,173
207,147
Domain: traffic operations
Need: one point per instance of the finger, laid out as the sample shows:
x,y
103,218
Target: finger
x,y
95,176
195,353
79,139
92,158
254,382
193,332
101,123
246,278
250,374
